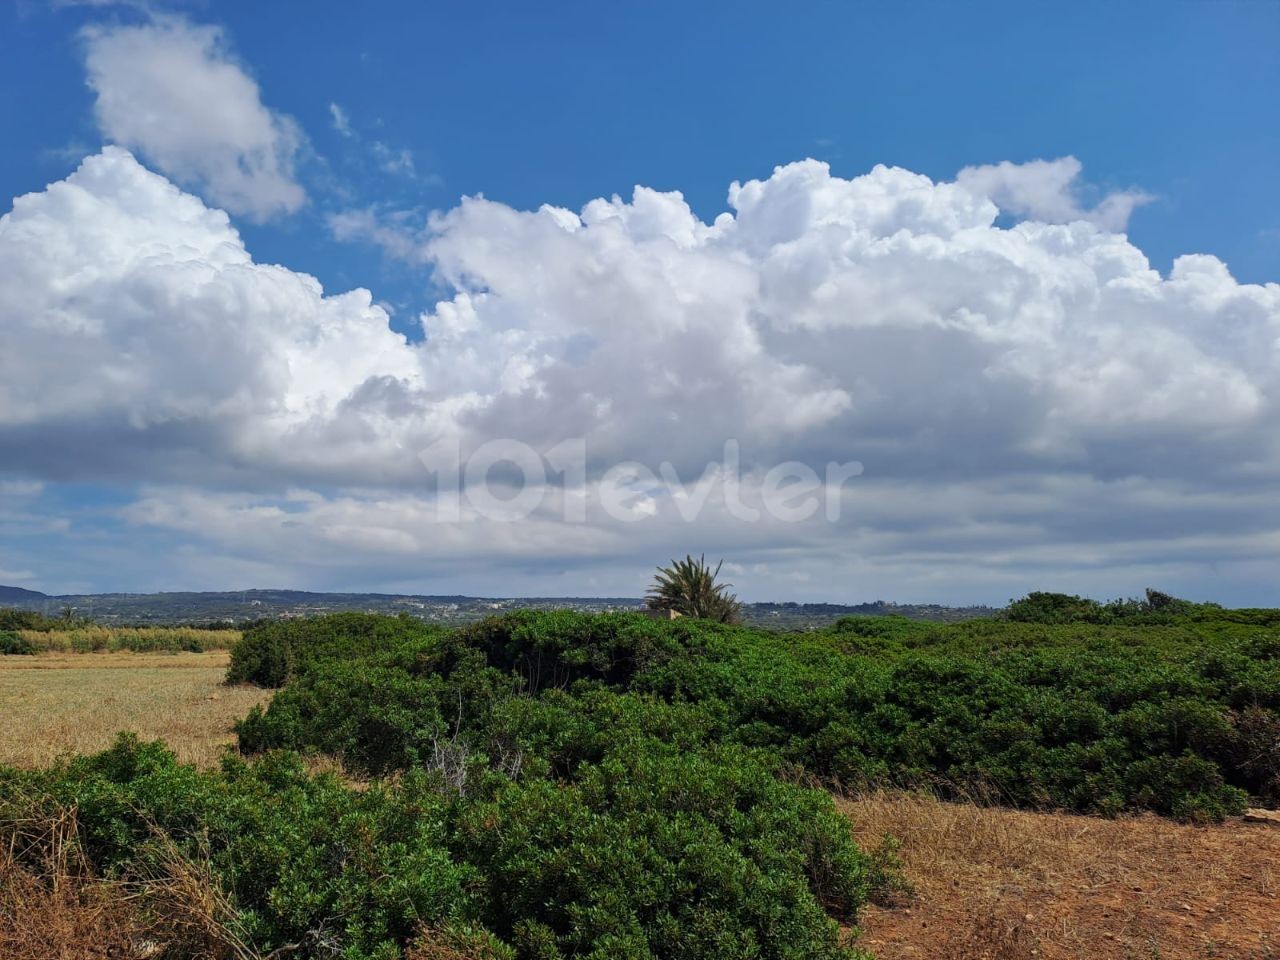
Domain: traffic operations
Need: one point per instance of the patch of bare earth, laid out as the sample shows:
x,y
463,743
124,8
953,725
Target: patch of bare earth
x,y
998,884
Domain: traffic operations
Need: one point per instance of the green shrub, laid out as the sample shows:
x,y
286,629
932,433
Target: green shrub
x,y
1154,608
1040,607
882,628
1039,715
304,859
1255,753
653,852
649,852
272,653
11,643
378,716
391,709
557,648
12,620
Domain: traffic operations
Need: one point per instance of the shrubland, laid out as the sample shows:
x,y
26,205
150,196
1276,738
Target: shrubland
x,y
554,785
1180,719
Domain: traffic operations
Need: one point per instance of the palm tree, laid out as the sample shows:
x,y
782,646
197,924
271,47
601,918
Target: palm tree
x,y
689,587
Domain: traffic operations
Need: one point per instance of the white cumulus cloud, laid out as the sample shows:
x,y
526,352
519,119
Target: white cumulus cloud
x,y
1049,190
1033,397
158,339
171,90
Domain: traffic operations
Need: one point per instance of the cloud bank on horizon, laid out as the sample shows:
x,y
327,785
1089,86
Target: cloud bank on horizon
x,y
1034,403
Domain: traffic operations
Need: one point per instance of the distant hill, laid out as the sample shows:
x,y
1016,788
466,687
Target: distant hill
x,y
11,594
242,606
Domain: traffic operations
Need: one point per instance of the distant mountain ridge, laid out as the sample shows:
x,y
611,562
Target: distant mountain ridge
x,y
240,606
9,594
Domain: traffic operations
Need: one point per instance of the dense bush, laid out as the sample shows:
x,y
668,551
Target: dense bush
x,y
304,859
13,643
1034,716
271,653
392,709
1071,716
13,620
556,648
1039,607
650,853
1155,607
386,712
654,852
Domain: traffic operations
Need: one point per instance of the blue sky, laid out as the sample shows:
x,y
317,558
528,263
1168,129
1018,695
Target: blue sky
x,y
530,105
375,121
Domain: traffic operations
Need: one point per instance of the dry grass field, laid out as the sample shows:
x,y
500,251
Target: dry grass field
x,y
997,884
58,703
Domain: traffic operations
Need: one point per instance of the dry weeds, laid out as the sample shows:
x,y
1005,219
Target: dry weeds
x,y
63,919
53,908
55,704
435,944
997,884
97,639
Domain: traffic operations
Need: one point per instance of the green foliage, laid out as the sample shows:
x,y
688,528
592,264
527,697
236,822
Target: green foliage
x,y
1042,607
1059,608
305,860
1028,714
649,852
580,819
689,587
558,648
12,620
1254,745
867,634
273,652
392,709
12,643
653,852
388,712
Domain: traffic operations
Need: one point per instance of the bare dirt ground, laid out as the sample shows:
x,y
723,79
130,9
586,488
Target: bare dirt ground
x,y
996,884
59,703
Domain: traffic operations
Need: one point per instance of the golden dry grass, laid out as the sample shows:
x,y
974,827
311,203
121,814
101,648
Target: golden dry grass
x,y
53,704
62,918
52,907
997,884
96,639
